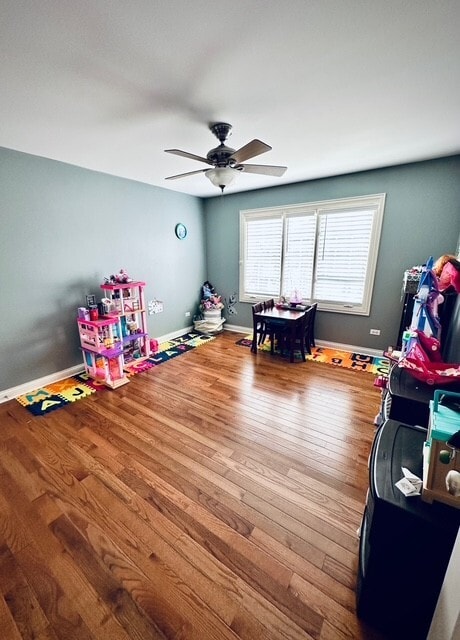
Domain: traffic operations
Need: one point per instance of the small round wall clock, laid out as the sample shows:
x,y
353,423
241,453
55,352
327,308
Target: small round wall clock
x,y
181,231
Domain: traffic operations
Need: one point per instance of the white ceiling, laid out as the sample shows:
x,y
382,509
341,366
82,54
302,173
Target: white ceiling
x,y
334,86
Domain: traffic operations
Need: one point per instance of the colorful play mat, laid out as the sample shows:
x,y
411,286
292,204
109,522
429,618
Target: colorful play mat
x,y
57,394
356,361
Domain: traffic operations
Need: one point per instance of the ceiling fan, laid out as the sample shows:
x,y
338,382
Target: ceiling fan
x,y
226,162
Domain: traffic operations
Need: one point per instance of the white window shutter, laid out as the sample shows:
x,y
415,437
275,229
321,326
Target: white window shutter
x,y
262,264
299,253
344,240
326,252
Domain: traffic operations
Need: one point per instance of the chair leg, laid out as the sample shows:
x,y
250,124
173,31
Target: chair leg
x,y
282,341
302,350
311,335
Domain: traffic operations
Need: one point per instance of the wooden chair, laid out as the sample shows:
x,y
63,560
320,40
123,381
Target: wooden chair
x,y
310,328
269,330
258,325
269,304
294,340
264,329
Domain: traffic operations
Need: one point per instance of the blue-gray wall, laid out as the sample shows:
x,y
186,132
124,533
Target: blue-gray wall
x,y
422,219
64,228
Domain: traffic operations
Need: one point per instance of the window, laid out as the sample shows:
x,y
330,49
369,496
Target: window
x,y
324,251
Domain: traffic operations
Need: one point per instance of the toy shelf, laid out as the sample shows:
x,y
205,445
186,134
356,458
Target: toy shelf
x,y
126,304
133,336
126,298
118,337
100,336
106,369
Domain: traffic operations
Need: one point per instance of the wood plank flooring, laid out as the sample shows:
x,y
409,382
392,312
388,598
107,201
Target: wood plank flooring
x,y
215,496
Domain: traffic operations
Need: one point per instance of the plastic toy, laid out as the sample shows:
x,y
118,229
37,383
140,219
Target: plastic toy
x,y
208,290
210,300
421,346
447,270
425,316
113,340
425,364
118,278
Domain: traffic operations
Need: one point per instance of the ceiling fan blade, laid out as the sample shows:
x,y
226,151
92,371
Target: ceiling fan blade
x,y
186,154
264,169
184,175
253,148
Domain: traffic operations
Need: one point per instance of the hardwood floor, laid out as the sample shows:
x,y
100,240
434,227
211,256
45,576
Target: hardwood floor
x,y
216,496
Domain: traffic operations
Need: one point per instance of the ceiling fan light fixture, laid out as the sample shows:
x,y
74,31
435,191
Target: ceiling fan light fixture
x,y
221,176
226,162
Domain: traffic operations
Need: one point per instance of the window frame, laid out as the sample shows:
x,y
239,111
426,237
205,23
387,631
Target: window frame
x,y
374,202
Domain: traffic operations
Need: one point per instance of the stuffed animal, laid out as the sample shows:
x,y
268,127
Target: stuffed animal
x,y
208,290
119,278
447,270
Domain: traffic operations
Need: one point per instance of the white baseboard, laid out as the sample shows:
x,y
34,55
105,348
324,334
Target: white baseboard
x,y
238,329
174,334
31,385
20,390
366,351
14,392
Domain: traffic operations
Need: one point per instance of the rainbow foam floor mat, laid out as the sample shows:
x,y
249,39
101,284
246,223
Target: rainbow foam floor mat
x,y
58,394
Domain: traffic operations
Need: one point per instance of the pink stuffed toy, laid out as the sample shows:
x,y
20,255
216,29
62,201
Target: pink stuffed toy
x,y
447,269
450,277
119,278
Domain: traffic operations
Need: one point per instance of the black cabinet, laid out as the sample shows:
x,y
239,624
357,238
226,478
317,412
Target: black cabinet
x,y
407,399
406,317
405,544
